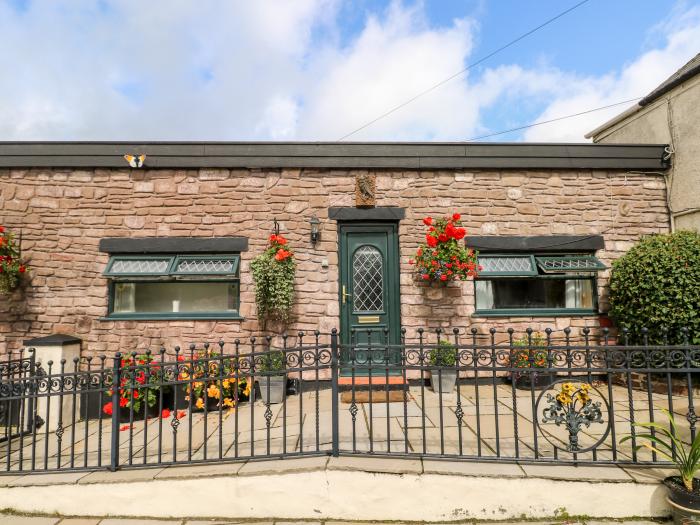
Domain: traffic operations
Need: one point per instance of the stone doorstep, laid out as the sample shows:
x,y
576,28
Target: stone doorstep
x,y
379,465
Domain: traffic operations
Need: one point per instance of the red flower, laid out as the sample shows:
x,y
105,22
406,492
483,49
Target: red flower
x,y
180,414
419,252
22,269
273,238
165,413
456,217
282,254
2,229
136,394
124,427
281,240
442,237
426,276
460,233
181,358
428,221
107,409
123,402
411,261
432,241
443,277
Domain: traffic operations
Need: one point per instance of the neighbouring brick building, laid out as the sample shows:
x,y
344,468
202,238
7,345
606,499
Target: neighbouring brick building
x,y
132,258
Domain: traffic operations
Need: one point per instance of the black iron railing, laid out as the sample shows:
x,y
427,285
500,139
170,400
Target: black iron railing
x,y
494,396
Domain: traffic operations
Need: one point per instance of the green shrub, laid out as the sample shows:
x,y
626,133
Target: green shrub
x,y
444,354
657,284
272,361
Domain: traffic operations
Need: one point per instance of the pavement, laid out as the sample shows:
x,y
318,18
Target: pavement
x,y
9,519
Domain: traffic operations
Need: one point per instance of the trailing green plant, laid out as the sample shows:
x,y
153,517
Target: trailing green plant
x,y
667,442
444,354
273,273
656,285
272,361
11,265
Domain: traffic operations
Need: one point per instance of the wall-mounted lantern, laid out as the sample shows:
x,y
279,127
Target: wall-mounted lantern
x,y
315,231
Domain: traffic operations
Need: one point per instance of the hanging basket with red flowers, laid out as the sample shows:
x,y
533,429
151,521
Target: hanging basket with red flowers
x,y
443,257
273,273
12,268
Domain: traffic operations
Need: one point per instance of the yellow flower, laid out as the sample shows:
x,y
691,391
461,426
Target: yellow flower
x,y
246,390
228,402
184,375
564,399
197,384
199,403
583,397
568,388
213,391
585,387
226,383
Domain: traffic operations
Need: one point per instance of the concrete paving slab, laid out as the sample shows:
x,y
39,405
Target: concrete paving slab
x,y
302,464
121,476
128,521
649,474
79,521
200,471
470,468
577,473
383,465
58,478
9,519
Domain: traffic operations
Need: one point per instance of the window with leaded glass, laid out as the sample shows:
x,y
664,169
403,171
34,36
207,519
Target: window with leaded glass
x,y
174,286
537,284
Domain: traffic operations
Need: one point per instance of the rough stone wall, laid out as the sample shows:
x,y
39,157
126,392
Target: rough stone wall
x,y
64,213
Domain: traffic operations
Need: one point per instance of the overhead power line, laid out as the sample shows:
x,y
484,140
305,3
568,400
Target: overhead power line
x,y
470,66
553,120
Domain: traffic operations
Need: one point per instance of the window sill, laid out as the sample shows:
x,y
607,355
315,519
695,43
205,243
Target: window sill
x,y
172,317
536,313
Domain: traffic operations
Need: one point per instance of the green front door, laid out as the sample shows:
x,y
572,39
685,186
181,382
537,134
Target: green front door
x,y
369,295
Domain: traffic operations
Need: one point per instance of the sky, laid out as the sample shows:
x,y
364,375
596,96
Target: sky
x,y
318,70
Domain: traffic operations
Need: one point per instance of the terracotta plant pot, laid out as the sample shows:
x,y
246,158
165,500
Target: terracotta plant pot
x,y
443,380
685,506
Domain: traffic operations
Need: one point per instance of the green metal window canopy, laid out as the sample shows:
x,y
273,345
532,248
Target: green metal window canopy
x,y
569,263
172,265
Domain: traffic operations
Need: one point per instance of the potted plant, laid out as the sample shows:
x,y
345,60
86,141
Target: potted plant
x,y
213,382
441,360
139,386
684,489
273,381
443,258
529,354
12,267
273,274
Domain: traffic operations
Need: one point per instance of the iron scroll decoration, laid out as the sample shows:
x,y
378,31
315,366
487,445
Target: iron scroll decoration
x,y
574,412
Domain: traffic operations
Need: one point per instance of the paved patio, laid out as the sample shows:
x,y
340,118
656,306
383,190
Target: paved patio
x,y
426,424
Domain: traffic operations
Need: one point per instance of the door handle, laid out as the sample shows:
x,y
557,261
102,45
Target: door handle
x,y
345,295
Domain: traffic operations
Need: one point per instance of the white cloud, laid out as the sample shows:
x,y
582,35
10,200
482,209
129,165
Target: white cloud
x,y
572,94
209,70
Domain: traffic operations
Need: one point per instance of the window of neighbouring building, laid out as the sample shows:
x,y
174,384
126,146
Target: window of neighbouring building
x,y
173,286
534,284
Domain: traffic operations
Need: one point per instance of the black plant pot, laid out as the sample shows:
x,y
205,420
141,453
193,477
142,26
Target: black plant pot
x,y
533,380
684,505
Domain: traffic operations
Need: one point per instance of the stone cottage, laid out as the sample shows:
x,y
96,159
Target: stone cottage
x,y
129,258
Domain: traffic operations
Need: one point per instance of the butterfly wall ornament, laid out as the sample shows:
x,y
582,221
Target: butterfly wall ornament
x,y
135,161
